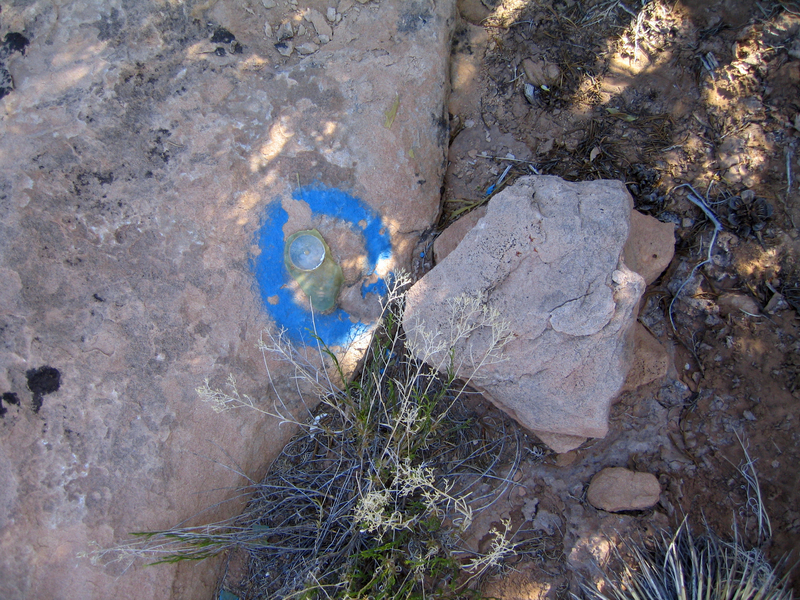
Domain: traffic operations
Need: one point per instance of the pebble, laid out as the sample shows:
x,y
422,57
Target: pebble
x,y
285,31
307,48
749,416
284,48
331,14
616,489
776,303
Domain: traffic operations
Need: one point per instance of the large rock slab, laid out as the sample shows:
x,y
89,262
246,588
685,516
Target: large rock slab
x,y
151,165
548,258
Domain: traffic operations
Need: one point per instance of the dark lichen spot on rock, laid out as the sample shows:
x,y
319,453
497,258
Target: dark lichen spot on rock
x,y
109,26
98,298
414,19
6,83
8,398
442,127
222,36
42,381
13,42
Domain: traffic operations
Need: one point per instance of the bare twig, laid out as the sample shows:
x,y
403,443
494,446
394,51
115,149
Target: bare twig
x,y
698,201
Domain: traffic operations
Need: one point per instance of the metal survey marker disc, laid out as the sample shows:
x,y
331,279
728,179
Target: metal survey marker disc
x,y
307,252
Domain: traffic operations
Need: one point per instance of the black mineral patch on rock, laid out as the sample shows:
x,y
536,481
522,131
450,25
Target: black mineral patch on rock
x,y
42,381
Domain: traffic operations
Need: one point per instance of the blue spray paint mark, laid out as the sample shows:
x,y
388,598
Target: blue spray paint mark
x,y
336,328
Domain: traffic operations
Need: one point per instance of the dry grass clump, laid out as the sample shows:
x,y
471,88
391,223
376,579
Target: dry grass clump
x,y
686,567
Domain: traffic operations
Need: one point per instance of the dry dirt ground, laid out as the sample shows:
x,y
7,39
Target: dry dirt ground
x,y
657,94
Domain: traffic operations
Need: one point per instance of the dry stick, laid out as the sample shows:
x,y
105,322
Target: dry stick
x,y
701,203
698,201
789,156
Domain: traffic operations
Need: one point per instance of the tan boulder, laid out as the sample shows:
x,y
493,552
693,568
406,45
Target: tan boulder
x,y
146,160
547,259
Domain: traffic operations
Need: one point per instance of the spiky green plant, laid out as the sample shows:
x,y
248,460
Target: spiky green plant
x,y
688,567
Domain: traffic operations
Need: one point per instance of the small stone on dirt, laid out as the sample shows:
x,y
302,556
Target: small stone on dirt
x,y
284,48
317,19
307,48
735,303
285,31
615,489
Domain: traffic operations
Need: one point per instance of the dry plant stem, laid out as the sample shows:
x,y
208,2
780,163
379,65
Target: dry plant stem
x,y
698,201
755,502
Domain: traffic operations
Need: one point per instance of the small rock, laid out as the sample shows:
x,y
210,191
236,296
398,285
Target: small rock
x,y
650,246
615,489
323,39
540,73
284,48
775,304
749,415
735,303
267,29
344,6
650,360
560,443
321,26
331,14
566,459
307,48
301,30
268,3
548,522
285,31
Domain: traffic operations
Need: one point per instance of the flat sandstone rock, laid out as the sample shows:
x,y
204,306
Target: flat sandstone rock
x,y
149,159
547,257
615,489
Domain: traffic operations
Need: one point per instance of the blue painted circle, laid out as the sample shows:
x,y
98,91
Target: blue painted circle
x,y
336,328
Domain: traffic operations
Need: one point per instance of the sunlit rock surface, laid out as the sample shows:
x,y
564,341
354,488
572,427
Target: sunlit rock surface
x,y
145,148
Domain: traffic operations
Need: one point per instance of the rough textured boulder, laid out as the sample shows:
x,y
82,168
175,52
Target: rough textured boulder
x,y
615,489
146,148
547,258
